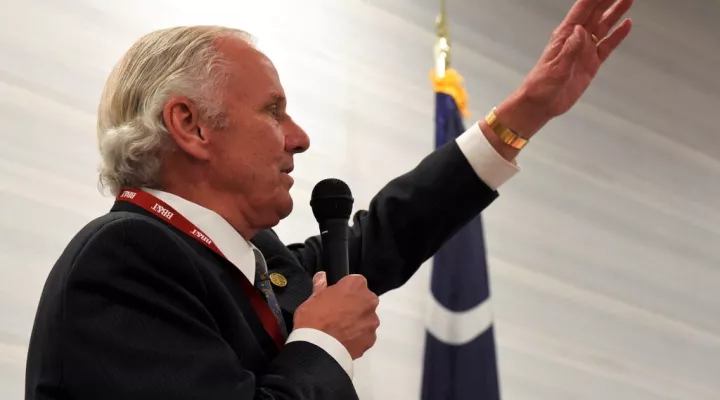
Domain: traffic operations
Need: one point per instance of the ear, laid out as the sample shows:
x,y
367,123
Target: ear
x,y
182,121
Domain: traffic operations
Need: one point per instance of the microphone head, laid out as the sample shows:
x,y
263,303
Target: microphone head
x,y
331,199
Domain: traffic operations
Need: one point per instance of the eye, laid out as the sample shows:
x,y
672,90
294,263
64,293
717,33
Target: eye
x,y
276,107
277,112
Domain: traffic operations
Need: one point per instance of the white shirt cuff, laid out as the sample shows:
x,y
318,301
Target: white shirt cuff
x,y
489,166
326,342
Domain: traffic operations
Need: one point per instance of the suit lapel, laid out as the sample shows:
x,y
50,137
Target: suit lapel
x,y
226,271
281,261
278,258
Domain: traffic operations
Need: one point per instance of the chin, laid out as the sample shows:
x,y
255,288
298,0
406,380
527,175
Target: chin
x,y
285,208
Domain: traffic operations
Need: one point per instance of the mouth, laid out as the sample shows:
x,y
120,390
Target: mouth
x,y
286,172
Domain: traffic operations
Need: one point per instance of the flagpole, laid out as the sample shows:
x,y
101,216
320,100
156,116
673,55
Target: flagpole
x,y
444,78
442,44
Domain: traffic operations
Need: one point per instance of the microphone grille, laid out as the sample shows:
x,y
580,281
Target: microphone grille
x,y
331,199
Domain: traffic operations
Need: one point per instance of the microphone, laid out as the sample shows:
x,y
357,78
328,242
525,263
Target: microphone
x,y
331,203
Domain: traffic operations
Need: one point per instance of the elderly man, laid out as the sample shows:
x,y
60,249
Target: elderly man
x,y
183,291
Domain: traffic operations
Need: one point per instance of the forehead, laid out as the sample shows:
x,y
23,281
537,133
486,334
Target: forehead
x,y
251,72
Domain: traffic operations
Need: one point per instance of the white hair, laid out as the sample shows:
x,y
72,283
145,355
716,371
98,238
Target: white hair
x,y
180,61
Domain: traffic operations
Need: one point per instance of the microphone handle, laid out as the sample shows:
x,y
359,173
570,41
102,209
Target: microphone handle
x,y
334,234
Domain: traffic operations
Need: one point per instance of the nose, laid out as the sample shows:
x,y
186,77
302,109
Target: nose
x,y
296,140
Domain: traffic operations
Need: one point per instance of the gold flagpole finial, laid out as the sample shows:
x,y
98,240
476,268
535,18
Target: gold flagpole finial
x,y
442,45
444,78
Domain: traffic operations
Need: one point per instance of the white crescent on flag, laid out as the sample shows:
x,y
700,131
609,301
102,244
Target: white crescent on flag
x,y
457,328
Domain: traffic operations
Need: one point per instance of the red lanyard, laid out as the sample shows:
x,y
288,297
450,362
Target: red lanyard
x,y
169,214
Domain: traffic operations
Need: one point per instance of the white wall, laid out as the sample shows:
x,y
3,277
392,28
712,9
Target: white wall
x,y
603,251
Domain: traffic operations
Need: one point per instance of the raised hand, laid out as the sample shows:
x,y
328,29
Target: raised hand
x,y
577,48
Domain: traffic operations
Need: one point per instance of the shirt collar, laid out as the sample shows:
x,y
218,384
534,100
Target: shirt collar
x,y
236,249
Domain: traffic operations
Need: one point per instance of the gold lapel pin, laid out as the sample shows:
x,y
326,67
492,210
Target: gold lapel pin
x,y
278,279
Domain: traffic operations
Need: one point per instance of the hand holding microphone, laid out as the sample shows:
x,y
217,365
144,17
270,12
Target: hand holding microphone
x,y
345,311
341,305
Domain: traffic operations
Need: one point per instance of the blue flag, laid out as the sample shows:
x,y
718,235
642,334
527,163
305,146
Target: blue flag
x,y
460,361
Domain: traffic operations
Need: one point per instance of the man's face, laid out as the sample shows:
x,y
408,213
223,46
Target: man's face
x,y
252,155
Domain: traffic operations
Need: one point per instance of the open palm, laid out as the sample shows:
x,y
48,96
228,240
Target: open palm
x,y
573,57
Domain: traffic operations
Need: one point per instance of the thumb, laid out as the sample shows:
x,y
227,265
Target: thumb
x,y
319,282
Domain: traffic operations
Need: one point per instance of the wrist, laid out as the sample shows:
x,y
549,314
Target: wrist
x,y
330,345
521,114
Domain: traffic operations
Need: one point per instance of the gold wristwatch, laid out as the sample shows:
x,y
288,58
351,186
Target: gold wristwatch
x,y
504,133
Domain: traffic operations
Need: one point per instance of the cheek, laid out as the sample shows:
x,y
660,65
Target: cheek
x,y
230,164
228,157
251,156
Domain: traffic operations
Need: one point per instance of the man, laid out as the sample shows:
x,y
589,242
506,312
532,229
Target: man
x,y
183,291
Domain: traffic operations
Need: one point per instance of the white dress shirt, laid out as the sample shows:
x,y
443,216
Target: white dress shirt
x,y
490,167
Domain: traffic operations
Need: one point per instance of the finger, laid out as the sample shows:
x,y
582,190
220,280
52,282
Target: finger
x,y
612,16
593,23
319,282
613,40
369,345
355,281
581,11
376,322
373,302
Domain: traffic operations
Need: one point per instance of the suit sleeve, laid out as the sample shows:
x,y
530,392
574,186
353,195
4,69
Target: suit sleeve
x,y
409,220
136,327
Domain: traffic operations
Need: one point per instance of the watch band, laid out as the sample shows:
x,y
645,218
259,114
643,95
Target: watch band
x,y
504,133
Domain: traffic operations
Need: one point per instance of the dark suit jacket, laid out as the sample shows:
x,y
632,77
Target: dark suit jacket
x,y
134,309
